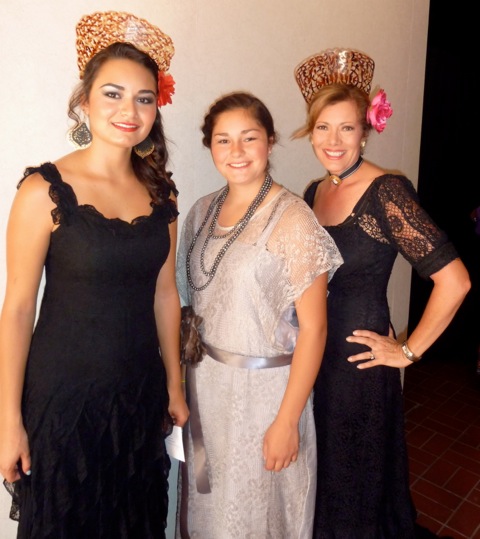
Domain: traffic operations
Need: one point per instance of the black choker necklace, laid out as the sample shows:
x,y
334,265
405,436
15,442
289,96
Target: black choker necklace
x,y
337,180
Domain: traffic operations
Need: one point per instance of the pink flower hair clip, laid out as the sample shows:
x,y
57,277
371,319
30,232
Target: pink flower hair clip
x,y
379,111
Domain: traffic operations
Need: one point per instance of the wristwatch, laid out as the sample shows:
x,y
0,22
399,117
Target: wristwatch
x,y
409,354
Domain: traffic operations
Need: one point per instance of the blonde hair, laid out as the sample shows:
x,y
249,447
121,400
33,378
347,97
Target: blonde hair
x,y
330,95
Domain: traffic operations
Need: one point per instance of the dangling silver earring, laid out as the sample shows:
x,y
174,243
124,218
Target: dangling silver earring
x,y
362,147
80,136
145,148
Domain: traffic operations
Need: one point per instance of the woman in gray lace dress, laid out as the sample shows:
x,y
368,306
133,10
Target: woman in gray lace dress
x,y
363,483
254,263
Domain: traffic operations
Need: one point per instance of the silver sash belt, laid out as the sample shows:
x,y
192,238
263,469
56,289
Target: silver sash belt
x,y
234,360
247,362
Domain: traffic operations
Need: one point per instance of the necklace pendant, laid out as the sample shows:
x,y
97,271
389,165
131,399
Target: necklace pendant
x,y
335,179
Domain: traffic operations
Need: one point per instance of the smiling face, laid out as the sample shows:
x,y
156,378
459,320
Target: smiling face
x,y
336,136
240,147
122,103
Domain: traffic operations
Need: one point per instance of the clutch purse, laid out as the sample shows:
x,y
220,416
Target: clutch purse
x,y
192,349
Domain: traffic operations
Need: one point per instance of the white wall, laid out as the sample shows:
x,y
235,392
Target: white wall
x,y
221,45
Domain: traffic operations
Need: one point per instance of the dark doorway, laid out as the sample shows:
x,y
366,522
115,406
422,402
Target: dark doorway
x,y
449,174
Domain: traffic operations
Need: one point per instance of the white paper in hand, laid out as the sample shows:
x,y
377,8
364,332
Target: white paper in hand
x,y
174,443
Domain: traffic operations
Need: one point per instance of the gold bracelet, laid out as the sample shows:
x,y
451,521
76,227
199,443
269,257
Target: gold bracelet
x,y
409,354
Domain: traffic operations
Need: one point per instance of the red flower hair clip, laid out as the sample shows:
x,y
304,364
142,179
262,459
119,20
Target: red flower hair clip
x,y
166,88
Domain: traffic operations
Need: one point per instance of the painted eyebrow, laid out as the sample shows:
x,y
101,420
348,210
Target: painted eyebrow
x,y
322,122
118,87
244,132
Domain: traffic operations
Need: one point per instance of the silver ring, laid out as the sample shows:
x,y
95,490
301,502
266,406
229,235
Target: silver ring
x,y
372,357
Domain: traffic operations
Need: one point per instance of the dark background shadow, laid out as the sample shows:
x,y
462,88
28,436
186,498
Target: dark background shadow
x,y
449,172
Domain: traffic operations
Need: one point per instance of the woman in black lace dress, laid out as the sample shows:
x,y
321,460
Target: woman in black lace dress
x,y
363,484
86,398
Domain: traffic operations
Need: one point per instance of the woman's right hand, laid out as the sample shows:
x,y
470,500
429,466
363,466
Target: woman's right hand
x,y
14,451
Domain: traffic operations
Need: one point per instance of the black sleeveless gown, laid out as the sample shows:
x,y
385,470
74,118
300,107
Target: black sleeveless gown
x,y
363,482
95,399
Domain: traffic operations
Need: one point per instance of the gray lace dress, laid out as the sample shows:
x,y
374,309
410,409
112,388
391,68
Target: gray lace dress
x,y
248,310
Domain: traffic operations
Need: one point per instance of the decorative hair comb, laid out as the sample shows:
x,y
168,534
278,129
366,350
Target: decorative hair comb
x,y
99,30
331,66
343,66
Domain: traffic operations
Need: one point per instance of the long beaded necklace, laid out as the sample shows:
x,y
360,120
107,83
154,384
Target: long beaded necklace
x,y
232,235
337,180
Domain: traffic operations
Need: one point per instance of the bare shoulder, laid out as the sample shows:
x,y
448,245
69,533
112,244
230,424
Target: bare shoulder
x,y
34,193
34,184
372,171
71,165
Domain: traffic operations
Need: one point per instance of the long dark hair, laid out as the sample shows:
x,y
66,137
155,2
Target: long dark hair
x,y
150,171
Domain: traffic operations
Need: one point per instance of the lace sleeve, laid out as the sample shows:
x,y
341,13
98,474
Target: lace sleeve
x,y
306,247
406,225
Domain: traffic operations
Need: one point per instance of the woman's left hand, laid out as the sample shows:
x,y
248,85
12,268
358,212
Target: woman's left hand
x,y
383,350
280,445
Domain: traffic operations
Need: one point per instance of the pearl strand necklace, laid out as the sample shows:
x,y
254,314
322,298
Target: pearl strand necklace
x,y
239,227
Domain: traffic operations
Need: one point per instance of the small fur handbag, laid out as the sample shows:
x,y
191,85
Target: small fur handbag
x,y
192,349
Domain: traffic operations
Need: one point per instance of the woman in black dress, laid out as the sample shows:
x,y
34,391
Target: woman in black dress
x,y
90,392
363,484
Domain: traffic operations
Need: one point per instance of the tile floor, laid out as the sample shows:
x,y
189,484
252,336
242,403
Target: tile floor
x,y
442,406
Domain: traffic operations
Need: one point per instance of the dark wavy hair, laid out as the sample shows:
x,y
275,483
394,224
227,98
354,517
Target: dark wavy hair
x,y
238,100
150,171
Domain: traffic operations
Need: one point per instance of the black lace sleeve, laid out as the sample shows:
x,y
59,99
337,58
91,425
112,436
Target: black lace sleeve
x,y
404,223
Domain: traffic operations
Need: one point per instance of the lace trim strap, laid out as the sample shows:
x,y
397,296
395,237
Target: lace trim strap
x,y
60,192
